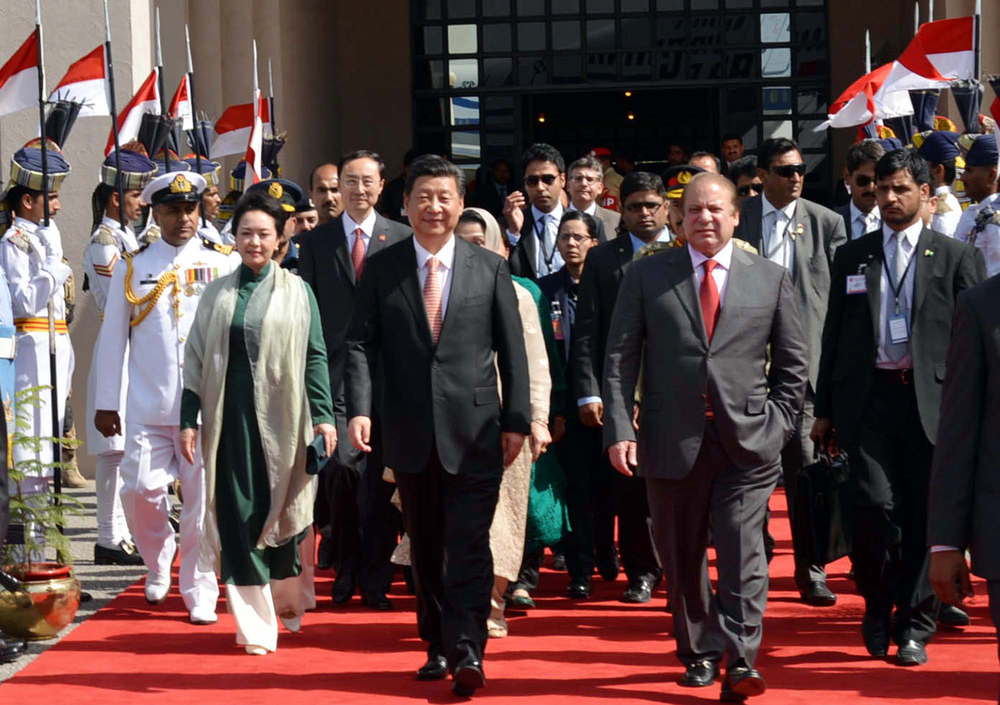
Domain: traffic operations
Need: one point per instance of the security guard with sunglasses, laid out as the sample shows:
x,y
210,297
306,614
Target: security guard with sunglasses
x,y
802,236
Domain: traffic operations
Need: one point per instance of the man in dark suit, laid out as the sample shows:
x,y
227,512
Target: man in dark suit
x,y
491,195
706,318
885,340
963,500
532,224
585,185
391,202
363,525
860,214
588,482
435,312
801,236
644,217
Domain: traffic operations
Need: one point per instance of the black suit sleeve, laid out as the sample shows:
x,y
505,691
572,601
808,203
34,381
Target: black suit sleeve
x,y
624,356
307,262
584,346
512,359
831,334
962,411
789,372
971,269
363,339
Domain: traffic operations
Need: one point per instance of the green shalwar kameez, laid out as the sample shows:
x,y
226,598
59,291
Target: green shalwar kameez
x,y
242,491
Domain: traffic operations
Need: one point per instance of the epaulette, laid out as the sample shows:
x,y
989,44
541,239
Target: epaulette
x,y
745,246
942,207
652,248
133,253
105,235
212,245
19,239
152,234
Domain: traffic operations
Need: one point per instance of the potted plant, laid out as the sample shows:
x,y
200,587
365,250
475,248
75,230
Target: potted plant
x,y
49,594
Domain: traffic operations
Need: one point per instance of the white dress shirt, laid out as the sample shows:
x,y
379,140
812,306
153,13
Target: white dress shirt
x,y
367,226
720,274
589,210
862,223
446,265
776,225
911,235
946,223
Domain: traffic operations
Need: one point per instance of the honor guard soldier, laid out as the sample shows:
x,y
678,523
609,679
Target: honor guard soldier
x,y
109,243
211,199
31,255
151,305
237,185
980,179
940,150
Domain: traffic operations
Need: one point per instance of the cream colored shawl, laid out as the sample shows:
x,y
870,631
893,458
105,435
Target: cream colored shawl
x,y
277,335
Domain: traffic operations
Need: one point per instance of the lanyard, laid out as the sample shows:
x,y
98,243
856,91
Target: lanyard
x,y
540,236
897,288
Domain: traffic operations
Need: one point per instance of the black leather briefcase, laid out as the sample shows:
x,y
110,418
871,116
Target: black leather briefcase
x,y
824,509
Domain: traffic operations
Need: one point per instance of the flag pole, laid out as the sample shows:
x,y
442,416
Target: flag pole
x,y
916,17
164,108
54,384
270,102
868,51
977,40
109,65
930,10
194,119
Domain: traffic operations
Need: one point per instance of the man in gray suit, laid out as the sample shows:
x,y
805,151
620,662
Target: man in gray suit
x,y
711,424
585,184
963,501
802,236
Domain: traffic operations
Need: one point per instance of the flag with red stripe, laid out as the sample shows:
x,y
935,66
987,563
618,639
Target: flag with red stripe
x,y
256,142
232,129
19,78
86,82
145,100
180,104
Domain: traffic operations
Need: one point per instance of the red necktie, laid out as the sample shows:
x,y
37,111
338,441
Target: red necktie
x,y
432,298
709,296
358,254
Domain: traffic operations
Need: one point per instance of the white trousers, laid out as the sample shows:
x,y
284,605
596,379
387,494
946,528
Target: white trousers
x,y
256,609
112,528
152,462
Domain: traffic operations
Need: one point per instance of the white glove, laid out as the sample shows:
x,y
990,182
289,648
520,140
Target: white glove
x,y
51,240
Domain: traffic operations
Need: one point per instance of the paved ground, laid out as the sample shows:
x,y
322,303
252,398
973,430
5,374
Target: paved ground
x,y
104,582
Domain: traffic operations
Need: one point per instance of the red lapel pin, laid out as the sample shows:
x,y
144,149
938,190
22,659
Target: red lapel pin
x,y
381,237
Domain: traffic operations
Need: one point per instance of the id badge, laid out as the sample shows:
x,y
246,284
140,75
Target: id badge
x,y
856,284
898,329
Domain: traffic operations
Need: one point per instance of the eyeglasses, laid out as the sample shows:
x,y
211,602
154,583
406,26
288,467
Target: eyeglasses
x,y
575,237
353,182
650,206
584,179
747,188
547,179
862,180
786,171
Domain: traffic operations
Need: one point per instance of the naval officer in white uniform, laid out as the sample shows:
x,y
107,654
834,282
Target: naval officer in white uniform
x,y
150,309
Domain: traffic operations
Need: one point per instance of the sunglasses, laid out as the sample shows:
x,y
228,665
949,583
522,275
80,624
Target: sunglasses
x,y
786,171
862,180
650,206
547,179
747,188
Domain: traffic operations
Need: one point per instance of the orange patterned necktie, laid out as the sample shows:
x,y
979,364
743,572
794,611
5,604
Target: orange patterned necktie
x,y
432,298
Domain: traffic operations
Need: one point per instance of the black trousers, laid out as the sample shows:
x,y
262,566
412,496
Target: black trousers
x,y
588,499
364,525
890,467
797,454
635,527
448,520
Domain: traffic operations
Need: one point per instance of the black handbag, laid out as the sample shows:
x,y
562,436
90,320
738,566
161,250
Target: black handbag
x,y
824,509
316,457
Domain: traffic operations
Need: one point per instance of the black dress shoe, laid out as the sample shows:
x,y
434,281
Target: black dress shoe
x,y
639,592
559,562
11,649
467,677
875,632
700,674
435,669
911,653
123,554
579,589
343,588
741,682
608,566
324,557
818,595
376,601
951,616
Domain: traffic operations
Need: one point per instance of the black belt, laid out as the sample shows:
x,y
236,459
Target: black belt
x,y
894,376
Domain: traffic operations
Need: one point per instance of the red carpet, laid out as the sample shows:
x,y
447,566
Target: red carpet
x,y
600,651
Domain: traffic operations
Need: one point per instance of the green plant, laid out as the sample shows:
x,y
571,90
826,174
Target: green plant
x,y
45,511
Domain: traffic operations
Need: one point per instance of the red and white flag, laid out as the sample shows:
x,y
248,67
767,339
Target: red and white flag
x,y
180,105
145,100
941,52
232,129
86,82
256,142
19,78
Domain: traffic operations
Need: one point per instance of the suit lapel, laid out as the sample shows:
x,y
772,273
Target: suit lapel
x,y
922,270
409,281
681,276
460,276
736,285
802,242
624,251
338,241
873,282
530,242
380,236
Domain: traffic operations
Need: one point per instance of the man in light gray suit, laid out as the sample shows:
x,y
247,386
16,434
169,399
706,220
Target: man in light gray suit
x,y
585,184
963,499
802,236
712,424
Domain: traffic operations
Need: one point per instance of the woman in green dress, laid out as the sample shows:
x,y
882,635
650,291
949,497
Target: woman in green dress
x,y
255,367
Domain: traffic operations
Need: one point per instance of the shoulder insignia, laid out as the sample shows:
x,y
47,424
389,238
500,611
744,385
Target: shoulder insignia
x,y
745,246
105,235
152,234
942,207
19,239
652,249
133,253
212,245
